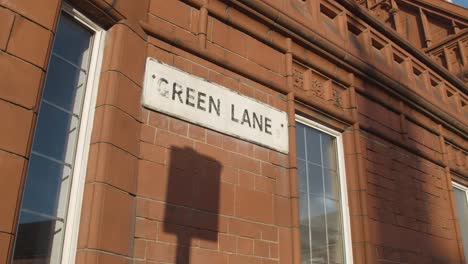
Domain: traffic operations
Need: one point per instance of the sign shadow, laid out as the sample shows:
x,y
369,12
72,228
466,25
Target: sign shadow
x,y
193,194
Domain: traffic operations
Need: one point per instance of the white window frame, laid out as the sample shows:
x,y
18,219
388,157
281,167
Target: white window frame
x,y
348,248
72,224
461,187
465,190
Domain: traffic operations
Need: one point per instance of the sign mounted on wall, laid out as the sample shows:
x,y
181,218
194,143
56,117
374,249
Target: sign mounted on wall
x,y
185,96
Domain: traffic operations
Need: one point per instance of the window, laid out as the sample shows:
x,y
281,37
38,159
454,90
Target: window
x,y
461,201
49,213
323,207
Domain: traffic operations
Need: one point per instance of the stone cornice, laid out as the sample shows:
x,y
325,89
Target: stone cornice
x,y
403,43
302,31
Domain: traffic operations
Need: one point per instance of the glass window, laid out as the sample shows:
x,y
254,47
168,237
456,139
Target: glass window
x,y
44,208
461,200
320,198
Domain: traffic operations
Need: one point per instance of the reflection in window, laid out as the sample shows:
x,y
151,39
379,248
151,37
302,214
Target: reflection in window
x,y
461,200
48,181
321,222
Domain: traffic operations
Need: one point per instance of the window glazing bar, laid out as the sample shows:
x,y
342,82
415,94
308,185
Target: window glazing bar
x,y
46,216
69,62
61,108
51,159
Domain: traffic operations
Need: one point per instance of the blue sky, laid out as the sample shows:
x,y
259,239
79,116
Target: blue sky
x,y
461,2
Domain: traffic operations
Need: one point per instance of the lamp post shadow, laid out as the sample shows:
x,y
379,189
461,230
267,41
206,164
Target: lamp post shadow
x,y
193,194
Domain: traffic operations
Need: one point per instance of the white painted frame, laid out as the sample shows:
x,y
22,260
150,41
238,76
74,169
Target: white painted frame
x,y
343,184
465,190
72,223
460,187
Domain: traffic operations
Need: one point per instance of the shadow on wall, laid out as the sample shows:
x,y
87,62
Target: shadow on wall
x,y
194,182
407,191
408,194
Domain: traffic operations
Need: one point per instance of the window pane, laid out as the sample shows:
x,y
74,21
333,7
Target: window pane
x,y
68,90
305,242
462,210
333,220
35,238
46,179
303,209
73,42
313,146
329,151
301,171
332,186
315,179
335,250
300,134
56,133
318,229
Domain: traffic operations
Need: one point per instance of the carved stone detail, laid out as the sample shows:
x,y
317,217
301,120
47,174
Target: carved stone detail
x,y
298,78
337,98
316,88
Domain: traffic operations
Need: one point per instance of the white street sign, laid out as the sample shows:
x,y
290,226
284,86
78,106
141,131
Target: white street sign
x,y
185,96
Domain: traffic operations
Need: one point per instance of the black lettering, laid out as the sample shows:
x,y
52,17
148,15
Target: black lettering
x,y
232,114
178,92
163,89
267,125
216,107
246,118
201,101
257,121
189,96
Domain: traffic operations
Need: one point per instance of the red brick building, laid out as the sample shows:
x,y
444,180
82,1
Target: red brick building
x,y
369,166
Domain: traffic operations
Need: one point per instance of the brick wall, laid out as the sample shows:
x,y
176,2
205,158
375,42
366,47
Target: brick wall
x,y
409,208
401,198
175,207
